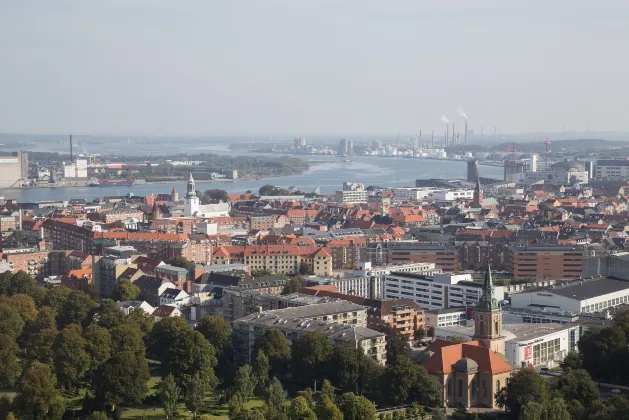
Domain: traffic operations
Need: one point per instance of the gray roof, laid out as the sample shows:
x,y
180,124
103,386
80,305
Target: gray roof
x,y
168,267
316,310
170,293
591,289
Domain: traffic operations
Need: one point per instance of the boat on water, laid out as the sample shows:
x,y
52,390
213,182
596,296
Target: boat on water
x,y
113,183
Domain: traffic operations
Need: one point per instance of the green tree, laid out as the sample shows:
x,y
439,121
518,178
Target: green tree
x,y
36,396
217,195
39,335
531,411
571,361
304,268
328,390
9,362
438,415
107,314
141,320
275,346
97,415
245,382
71,360
23,304
397,343
327,410
261,367
525,385
97,345
300,410
57,297
196,389
355,407
126,337
21,283
250,414
420,333
602,351
218,332
557,410
274,398
310,353
75,309
11,322
293,284
168,393
125,290
458,339
578,385
182,262
122,380
236,405
349,368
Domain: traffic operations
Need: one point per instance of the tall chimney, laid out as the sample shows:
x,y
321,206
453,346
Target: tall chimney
x,y
20,222
71,157
453,135
466,143
447,134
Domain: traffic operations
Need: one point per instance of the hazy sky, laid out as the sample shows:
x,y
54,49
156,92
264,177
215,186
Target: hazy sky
x,y
322,66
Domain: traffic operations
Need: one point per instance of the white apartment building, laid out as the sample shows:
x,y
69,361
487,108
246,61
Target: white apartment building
x,y
351,197
368,287
411,194
553,177
451,195
342,322
445,317
436,292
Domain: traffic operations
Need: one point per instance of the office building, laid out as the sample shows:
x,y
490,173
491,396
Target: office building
x,y
436,292
612,169
446,317
443,255
451,195
546,261
351,196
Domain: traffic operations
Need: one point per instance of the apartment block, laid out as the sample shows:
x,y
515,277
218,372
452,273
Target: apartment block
x,y
29,260
342,322
546,262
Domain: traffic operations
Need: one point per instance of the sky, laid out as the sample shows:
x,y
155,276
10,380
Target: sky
x,y
206,67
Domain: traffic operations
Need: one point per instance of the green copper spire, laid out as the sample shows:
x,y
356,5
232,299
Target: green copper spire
x,y
487,301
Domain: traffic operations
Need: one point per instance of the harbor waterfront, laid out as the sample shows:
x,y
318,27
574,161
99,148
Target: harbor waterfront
x,y
328,173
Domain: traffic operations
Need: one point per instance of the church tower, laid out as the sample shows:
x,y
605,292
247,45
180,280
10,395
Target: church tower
x,y
478,193
191,202
488,318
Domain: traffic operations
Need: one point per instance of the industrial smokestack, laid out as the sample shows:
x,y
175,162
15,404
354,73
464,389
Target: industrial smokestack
x,y
453,135
466,143
71,147
20,221
432,140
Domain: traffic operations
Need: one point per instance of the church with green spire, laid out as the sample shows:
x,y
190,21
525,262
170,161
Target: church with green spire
x,y
488,318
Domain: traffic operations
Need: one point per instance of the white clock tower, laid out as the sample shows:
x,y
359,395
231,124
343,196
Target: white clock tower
x,y
191,202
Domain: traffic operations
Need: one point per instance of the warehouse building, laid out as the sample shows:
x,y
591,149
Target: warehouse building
x,y
13,169
592,296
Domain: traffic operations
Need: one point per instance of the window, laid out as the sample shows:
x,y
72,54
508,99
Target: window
x,y
449,387
484,388
497,386
481,328
460,388
474,385
497,328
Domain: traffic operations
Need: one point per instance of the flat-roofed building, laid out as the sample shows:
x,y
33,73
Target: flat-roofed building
x,y
341,322
546,261
444,255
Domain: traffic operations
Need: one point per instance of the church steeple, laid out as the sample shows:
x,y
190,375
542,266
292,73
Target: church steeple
x,y
478,193
488,318
191,190
487,301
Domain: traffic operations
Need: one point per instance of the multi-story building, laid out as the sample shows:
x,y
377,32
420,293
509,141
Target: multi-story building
x,y
403,315
438,291
546,261
342,322
107,270
351,196
29,260
122,214
346,253
451,195
280,259
612,169
411,194
13,169
176,275
446,317
443,255
66,235
368,287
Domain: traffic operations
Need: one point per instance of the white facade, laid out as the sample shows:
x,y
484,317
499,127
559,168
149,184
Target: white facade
x,y
411,194
76,169
368,287
612,169
437,292
451,195
351,197
445,318
554,302
553,177
179,299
